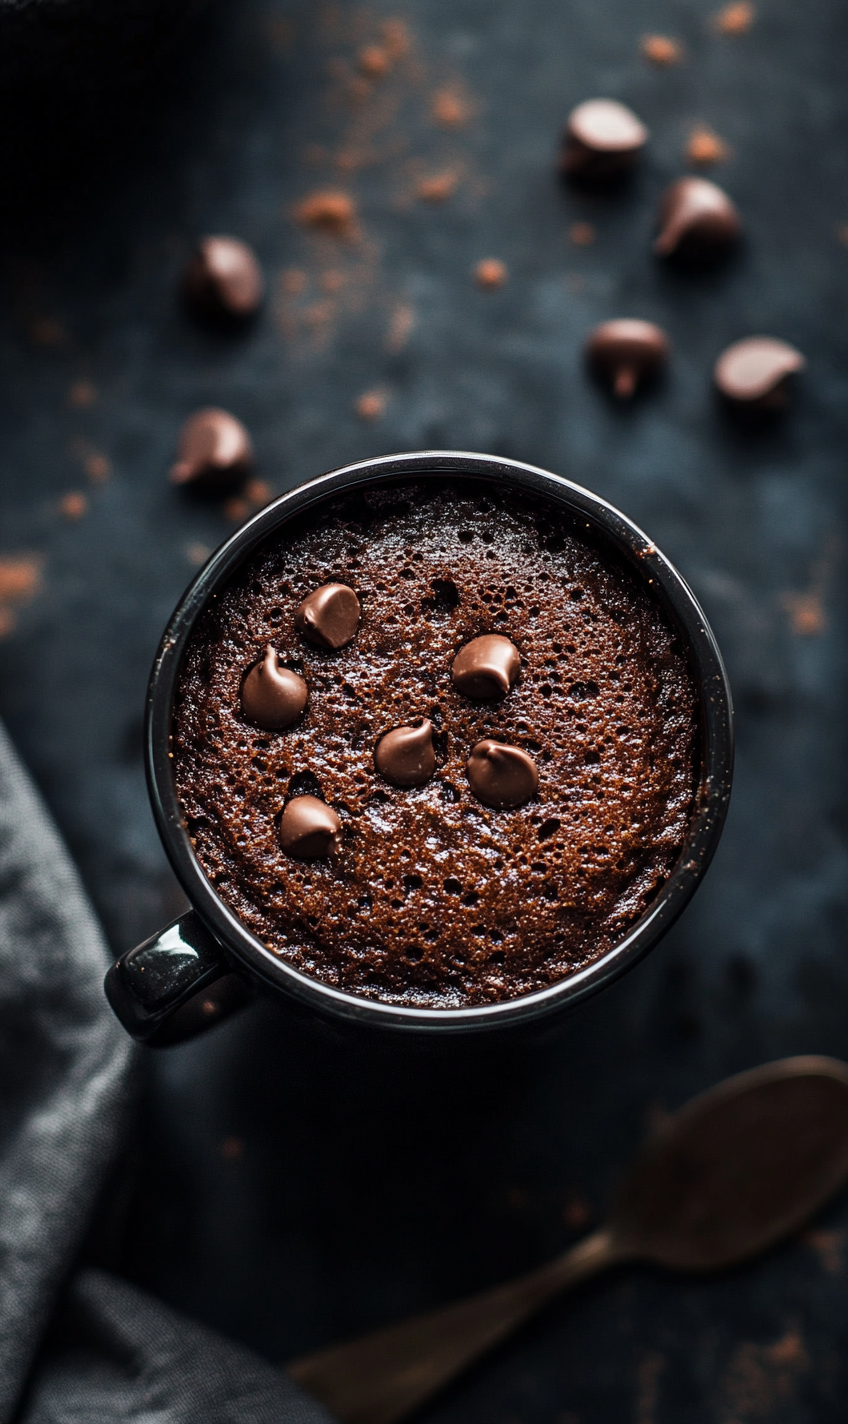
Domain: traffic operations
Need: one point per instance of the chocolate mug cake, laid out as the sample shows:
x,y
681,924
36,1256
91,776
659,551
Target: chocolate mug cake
x,y
438,742
437,746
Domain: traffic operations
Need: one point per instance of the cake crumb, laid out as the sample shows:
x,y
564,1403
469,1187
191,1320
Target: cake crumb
x,y
490,273
661,50
97,467
236,509
20,580
734,19
396,39
438,187
82,395
705,147
371,405
73,505
829,1246
330,211
400,327
450,108
582,234
258,493
806,613
788,1350
373,61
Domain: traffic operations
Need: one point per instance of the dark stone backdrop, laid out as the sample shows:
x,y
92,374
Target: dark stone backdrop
x,y
281,1185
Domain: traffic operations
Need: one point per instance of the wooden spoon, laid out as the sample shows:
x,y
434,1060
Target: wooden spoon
x,y
732,1173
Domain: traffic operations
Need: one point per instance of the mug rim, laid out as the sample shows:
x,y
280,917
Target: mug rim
x,y
713,792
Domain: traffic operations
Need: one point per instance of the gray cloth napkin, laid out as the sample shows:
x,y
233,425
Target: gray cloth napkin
x,y
111,1353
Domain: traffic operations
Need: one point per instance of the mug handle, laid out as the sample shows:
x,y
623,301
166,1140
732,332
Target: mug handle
x,y
175,985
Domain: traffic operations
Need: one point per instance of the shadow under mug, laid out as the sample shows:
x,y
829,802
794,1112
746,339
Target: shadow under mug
x,y
207,963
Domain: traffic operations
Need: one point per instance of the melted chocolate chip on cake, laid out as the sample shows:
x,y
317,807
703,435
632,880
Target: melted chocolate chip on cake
x,y
473,828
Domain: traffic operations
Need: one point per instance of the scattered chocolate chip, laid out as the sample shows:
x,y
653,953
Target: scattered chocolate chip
x,y
602,141
698,222
329,617
309,829
626,352
754,372
272,696
501,775
214,453
405,756
486,667
223,281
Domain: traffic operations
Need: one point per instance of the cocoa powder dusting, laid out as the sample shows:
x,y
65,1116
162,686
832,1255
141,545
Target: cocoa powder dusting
x,y
705,148
371,405
434,898
761,1378
329,211
582,234
490,273
73,505
390,112
451,108
734,19
437,187
661,50
20,581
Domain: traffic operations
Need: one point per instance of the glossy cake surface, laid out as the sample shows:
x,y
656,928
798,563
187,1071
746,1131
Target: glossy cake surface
x,y
434,898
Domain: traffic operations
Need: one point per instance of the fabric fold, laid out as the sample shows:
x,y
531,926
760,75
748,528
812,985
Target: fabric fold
x,y
117,1354
111,1353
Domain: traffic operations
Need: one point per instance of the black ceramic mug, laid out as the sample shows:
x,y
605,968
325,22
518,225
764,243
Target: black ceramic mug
x,y
207,963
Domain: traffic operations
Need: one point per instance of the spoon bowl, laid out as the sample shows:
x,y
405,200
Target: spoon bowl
x,y
731,1174
738,1168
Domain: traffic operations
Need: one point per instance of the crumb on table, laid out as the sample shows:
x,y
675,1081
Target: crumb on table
x,y
661,50
490,273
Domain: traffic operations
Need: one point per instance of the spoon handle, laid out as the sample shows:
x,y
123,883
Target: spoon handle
x,y
379,1378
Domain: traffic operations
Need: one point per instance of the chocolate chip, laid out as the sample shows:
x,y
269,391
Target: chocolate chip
x,y
754,373
602,141
698,222
223,281
405,756
486,667
272,696
310,829
329,617
214,453
501,775
626,353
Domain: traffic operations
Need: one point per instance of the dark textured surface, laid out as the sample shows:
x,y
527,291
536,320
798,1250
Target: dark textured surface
x,y
434,899
290,1188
